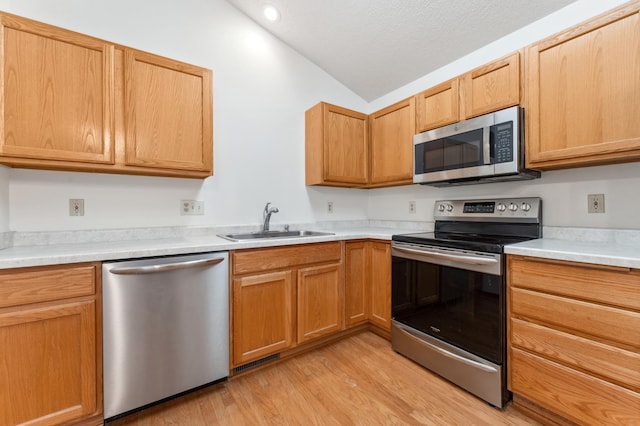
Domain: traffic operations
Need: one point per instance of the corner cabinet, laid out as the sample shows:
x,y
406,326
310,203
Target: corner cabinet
x,y
74,102
50,345
368,283
348,148
574,341
336,146
583,87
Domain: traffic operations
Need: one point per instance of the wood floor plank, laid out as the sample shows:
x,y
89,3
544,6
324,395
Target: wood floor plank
x,y
357,381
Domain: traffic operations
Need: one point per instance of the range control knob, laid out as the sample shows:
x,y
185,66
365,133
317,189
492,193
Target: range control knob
x,y
501,207
449,207
513,207
525,207
441,207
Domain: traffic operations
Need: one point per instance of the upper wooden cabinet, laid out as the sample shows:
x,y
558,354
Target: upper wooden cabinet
x,y
583,87
485,89
57,94
336,146
491,87
348,148
74,102
438,106
391,144
168,113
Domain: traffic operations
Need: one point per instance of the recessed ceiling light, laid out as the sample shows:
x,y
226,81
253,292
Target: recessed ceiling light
x,y
271,13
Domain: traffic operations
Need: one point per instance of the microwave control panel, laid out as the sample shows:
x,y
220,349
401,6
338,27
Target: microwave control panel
x,y
502,142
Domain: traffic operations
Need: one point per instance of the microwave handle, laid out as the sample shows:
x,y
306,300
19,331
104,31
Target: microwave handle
x,y
486,144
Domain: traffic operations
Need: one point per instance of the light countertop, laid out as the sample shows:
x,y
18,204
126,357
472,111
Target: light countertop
x,y
599,252
23,256
572,246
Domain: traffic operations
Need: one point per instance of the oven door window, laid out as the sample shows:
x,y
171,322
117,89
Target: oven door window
x,y
461,307
454,152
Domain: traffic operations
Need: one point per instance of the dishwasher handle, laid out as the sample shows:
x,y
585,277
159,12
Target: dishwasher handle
x,y
151,269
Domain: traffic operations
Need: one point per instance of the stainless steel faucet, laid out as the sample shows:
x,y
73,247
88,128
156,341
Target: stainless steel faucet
x,y
266,214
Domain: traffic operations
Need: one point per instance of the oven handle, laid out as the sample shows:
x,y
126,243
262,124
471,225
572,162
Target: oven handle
x,y
472,260
448,354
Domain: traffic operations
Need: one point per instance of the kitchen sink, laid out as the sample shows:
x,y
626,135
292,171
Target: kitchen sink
x,y
261,235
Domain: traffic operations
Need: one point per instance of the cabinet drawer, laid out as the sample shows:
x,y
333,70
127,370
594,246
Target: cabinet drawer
x,y
582,281
572,394
605,322
255,260
611,363
33,285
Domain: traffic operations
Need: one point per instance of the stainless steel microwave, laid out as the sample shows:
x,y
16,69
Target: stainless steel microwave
x,y
487,148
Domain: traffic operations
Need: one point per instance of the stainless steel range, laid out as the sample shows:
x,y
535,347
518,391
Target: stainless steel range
x,y
448,290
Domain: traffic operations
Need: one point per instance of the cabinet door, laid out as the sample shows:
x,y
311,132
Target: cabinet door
x,y
319,301
356,292
438,106
381,285
491,87
48,368
57,100
345,145
391,146
169,121
583,90
262,315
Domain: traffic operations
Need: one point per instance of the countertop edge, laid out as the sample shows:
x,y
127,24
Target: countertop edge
x,y
28,256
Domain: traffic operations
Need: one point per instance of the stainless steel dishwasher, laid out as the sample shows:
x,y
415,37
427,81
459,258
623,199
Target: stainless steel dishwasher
x,y
165,328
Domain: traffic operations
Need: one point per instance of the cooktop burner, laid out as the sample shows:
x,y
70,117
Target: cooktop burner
x,y
481,225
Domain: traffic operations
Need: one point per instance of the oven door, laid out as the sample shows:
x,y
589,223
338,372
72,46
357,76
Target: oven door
x,y
453,295
456,296
448,309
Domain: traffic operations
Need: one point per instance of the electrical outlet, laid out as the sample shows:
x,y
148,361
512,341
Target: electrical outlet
x,y
412,207
76,207
191,208
330,207
596,203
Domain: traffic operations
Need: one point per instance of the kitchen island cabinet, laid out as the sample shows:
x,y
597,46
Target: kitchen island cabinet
x,y
583,87
50,345
284,296
574,340
74,102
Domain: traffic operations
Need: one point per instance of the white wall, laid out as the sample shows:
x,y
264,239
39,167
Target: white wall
x,y
261,90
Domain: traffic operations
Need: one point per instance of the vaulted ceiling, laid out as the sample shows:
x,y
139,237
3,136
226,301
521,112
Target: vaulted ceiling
x,y
376,46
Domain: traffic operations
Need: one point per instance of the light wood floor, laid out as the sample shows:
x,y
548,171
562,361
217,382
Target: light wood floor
x,y
357,381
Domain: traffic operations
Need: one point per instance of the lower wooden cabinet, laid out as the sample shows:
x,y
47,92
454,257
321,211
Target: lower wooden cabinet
x,y
368,283
574,339
381,285
356,283
284,296
50,365
263,320
319,301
